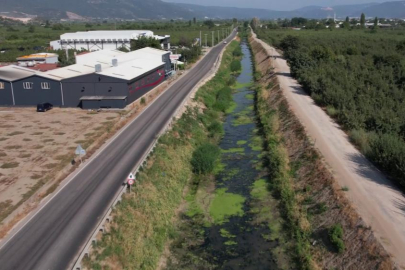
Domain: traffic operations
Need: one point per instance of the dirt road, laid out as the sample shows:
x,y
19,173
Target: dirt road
x,y
377,200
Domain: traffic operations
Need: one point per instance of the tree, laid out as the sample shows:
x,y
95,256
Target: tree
x,y
204,158
332,24
47,24
189,23
375,23
235,21
255,23
209,23
363,20
346,24
194,20
57,26
143,42
31,29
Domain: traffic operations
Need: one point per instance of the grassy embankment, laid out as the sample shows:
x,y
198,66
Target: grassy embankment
x,y
144,221
325,230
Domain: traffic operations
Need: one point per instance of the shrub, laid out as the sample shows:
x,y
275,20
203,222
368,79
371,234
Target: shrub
x,y
223,99
237,52
216,129
236,66
143,101
336,237
231,81
204,158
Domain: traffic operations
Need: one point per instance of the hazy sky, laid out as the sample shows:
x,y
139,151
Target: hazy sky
x,y
274,4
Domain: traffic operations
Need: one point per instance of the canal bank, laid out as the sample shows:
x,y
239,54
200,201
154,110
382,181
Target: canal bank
x,y
231,220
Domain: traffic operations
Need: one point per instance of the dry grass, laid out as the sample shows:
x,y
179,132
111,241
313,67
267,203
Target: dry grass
x,y
9,165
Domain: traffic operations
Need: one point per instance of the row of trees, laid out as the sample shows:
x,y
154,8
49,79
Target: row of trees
x,y
321,24
360,78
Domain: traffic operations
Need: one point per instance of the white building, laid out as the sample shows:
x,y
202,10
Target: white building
x,y
105,40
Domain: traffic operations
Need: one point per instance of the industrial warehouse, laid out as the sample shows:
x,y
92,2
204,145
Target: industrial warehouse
x,y
100,79
104,40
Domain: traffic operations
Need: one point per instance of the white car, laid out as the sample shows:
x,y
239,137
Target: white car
x,y
225,42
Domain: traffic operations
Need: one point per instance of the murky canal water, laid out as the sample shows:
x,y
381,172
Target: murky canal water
x,y
238,226
235,242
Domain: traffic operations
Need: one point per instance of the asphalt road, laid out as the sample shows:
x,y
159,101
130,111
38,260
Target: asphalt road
x,y
53,236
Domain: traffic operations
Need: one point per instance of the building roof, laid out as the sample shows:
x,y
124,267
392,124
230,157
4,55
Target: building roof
x,y
36,56
117,35
44,67
13,73
72,71
132,69
129,66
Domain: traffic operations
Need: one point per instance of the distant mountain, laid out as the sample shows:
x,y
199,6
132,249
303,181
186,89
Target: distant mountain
x,y
125,9
231,12
157,9
386,10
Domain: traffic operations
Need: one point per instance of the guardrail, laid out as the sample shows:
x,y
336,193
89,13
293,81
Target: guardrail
x,y
107,216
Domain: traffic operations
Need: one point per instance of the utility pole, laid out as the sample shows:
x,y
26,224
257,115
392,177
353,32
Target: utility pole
x,y
218,36
205,40
200,38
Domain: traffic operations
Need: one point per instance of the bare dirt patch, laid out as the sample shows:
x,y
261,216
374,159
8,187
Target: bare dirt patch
x,y
37,150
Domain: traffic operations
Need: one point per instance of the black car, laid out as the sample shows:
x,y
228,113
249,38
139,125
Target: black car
x,y
43,107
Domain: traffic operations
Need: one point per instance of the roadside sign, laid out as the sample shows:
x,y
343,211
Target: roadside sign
x,y
175,56
131,179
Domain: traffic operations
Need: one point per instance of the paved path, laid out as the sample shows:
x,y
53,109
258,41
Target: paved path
x,y
377,200
52,237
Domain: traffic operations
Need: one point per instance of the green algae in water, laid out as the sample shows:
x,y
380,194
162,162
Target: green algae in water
x,y
226,234
219,167
242,120
256,143
234,150
259,190
230,243
250,96
225,205
241,142
231,108
239,85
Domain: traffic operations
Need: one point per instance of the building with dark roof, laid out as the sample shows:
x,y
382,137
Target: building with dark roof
x,y
102,79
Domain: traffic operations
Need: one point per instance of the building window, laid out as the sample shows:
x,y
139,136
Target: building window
x,y
28,85
1,85
45,85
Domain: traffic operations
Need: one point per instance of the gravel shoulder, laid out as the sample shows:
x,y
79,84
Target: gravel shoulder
x,y
378,201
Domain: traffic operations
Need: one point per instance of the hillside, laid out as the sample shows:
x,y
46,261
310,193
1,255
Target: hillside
x,y
125,9
157,9
387,10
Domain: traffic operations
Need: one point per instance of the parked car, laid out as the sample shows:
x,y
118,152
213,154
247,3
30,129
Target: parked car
x,y
225,42
43,107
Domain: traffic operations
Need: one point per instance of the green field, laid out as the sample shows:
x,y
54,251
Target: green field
x,y
358,76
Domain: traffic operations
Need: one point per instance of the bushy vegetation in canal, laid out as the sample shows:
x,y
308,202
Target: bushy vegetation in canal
x,y
143,222
359,76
